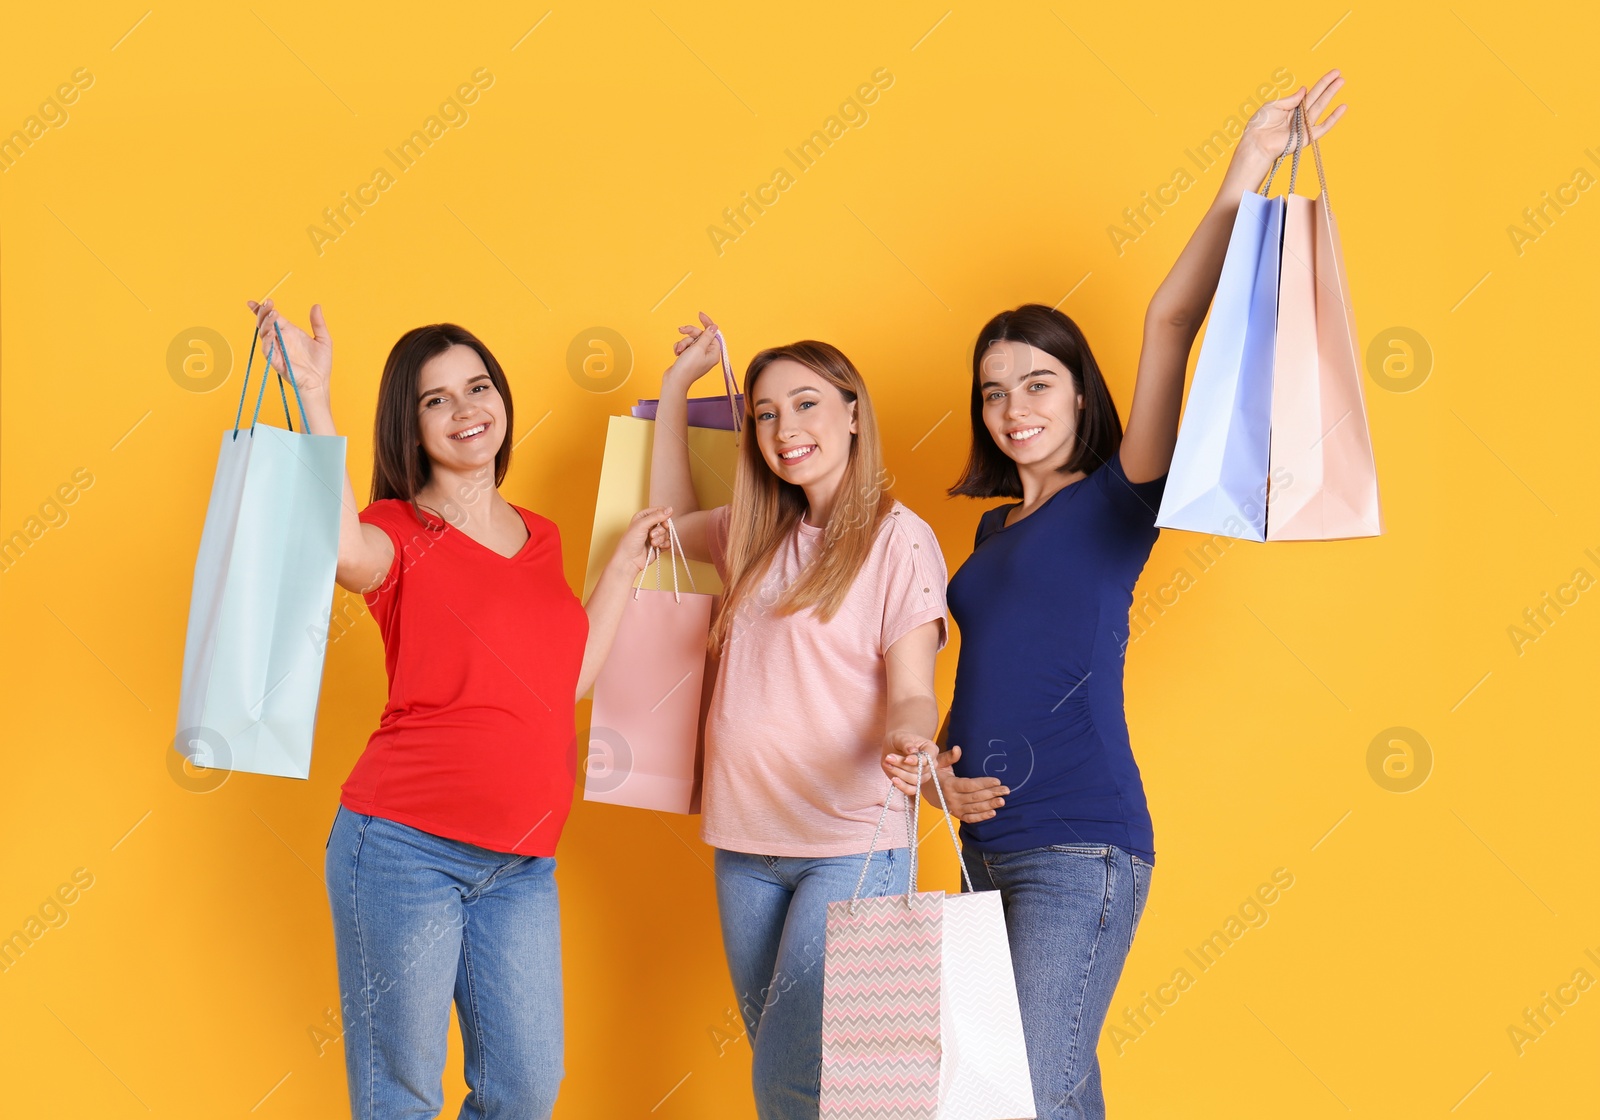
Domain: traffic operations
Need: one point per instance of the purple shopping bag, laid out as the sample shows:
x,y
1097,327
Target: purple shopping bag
x,y
725,413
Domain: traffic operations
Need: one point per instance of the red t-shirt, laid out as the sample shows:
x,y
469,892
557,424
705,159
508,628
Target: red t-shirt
x,y
478,740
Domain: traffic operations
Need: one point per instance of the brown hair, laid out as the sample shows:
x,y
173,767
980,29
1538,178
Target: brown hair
x,y
400,466
766,509
990,472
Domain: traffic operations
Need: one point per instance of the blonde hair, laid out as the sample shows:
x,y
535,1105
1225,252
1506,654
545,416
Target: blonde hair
x,y
766,509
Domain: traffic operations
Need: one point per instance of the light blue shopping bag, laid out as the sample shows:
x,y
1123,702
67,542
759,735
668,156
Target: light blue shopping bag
x,y
1218,479
263,588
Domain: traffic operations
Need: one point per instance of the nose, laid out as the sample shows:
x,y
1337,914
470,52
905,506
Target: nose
x,y
1016,403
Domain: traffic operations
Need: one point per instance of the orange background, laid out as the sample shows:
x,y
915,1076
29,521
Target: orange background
x,y
192,978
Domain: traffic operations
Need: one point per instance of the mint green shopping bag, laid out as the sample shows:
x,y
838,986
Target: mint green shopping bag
x,y
263,588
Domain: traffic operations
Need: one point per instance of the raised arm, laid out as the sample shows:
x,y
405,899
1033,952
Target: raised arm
x,y
366,552
1180,303
670,483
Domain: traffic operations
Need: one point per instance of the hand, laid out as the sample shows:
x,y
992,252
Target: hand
x,y
697,354
970,799
647,530
311,355
1269,130
900,760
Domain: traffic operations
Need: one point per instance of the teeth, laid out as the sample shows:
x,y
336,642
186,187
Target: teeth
x,y
1026,433
795,454
469,432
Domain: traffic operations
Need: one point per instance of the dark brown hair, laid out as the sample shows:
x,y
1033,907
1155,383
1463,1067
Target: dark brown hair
x,y
990,472
400,466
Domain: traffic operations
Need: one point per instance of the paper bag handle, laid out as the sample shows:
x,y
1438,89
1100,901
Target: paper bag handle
x,y
261,392
1316,154
675,551
731,383
913,822
1293,142
1299,133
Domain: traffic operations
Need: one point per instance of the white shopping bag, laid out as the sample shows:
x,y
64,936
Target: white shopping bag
x,y
263,588
983,1073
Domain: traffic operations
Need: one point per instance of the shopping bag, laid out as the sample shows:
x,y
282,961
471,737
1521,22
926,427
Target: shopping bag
x,y
625,479
725,412
721,412
1217,482
919,1008
263,589
645,726
1324,479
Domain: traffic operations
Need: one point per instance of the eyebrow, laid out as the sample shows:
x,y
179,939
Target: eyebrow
x,y
1032,373
426,393
792,392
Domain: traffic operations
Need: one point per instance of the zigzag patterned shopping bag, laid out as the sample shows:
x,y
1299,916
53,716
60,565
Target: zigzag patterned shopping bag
x,y
919,1007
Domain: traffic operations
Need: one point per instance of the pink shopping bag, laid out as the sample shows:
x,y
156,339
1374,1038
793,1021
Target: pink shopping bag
x,y
1324,480
644,733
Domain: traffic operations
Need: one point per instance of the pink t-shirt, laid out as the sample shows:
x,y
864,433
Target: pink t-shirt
x,y
794,735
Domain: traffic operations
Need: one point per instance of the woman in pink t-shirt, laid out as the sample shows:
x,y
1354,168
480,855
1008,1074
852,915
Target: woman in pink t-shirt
x,y
832,614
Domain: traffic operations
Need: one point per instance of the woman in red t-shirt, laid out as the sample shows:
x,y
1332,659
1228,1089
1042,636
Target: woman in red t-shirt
x,y
440,864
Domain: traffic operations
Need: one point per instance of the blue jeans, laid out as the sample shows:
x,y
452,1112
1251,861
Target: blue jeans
x,y
774,912
1071,912
419,920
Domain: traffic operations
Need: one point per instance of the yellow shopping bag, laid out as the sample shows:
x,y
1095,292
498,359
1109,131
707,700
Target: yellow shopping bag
x,y
625,487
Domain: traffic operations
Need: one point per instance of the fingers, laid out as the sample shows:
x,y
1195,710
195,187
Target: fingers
x,y
1318,131
1323,87
1319,98
319,325
977,804
265,317
973,785
902,779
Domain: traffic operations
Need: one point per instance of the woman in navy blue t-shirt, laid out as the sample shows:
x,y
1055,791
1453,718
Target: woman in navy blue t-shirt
x,y
1038,764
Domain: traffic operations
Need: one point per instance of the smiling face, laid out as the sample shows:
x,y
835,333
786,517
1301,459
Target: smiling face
x,y
460,414
804,424
1031,405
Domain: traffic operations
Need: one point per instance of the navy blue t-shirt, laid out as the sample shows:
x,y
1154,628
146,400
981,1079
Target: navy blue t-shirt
x,y
1043,611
